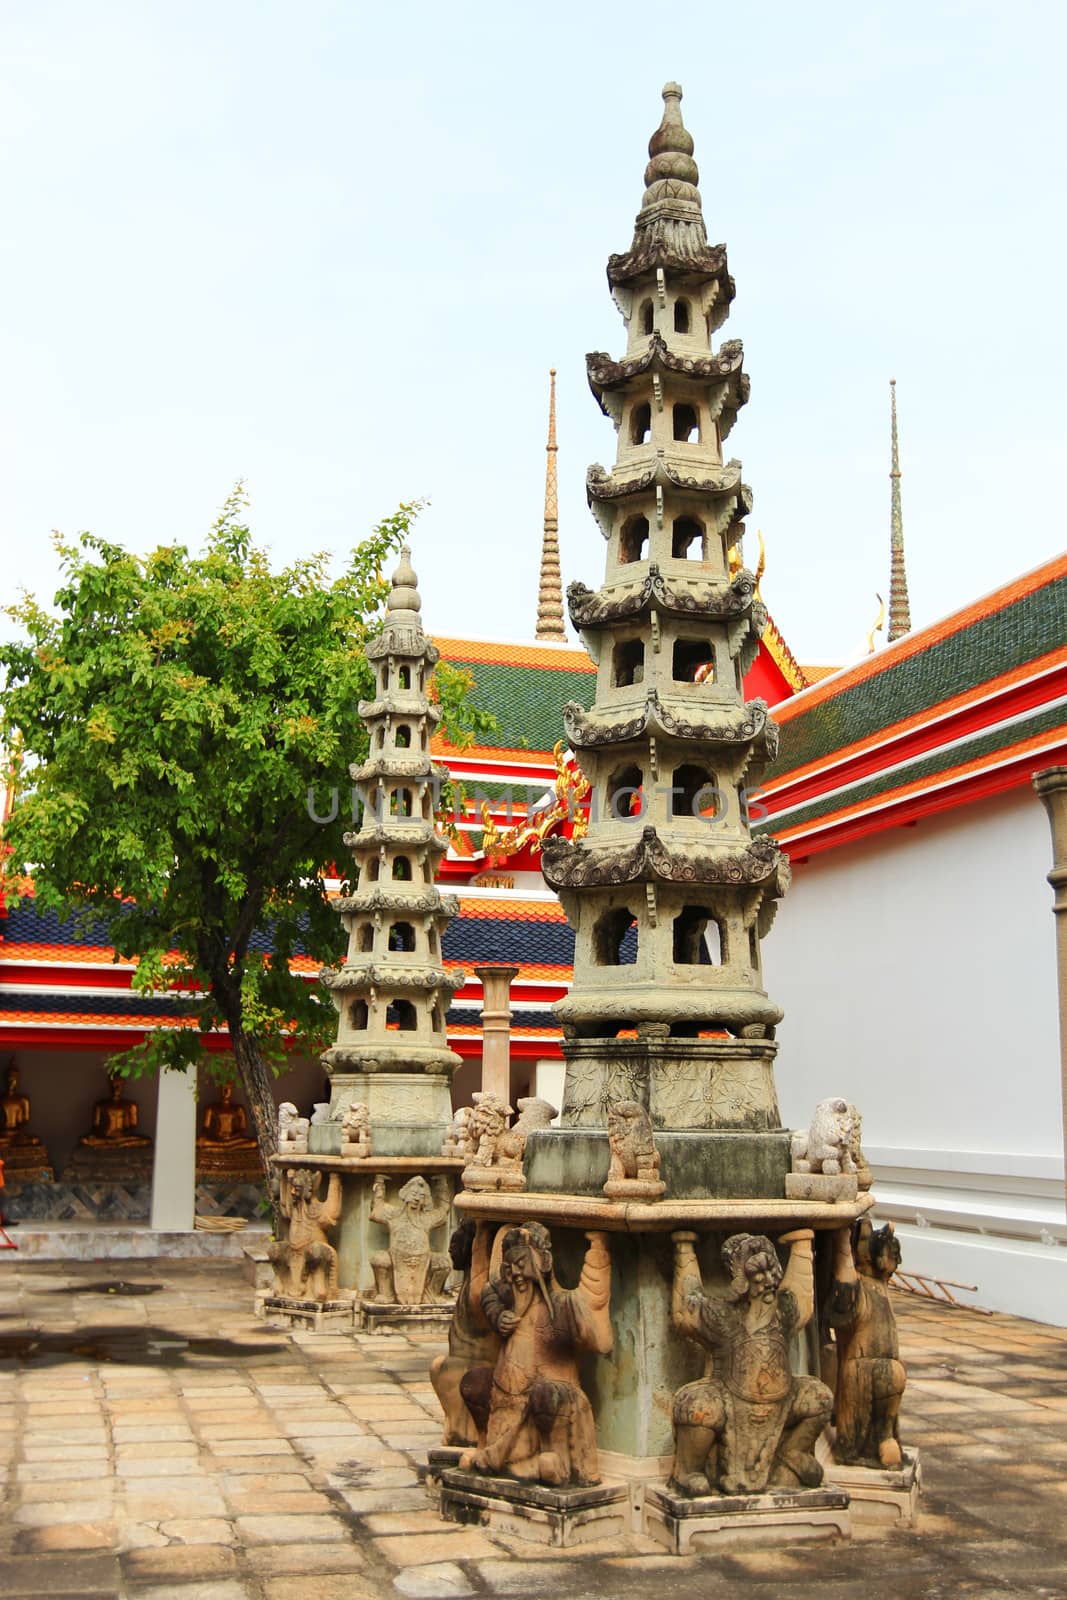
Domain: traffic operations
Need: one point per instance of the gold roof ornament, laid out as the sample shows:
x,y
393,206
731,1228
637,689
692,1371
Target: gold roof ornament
x,y
571,787
879,625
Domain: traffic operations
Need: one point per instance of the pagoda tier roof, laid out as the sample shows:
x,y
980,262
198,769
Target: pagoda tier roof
x,y
356,974
721,481
672,237
680,719
672,596
428,902
609,378
401,704
416,766
396,1053
649,860
409,833
402,640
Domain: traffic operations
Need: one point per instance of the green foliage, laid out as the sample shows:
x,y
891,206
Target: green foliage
x,y
171,719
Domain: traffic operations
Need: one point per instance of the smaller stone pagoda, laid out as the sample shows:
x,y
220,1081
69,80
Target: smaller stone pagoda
x,y
391,1068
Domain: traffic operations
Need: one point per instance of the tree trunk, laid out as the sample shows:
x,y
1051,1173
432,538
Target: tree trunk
x,y
257,1085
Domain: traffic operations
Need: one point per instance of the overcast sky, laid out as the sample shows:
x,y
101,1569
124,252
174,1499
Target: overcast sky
x,y
334,248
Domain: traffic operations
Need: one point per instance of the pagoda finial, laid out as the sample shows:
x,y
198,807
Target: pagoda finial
x,y
404,595
550,587
899,606
671,174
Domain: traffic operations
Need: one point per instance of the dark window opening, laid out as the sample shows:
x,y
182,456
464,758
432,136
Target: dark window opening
x,y
687,540
402,870
625,794
615,939
372,869
648,317
641,423
403,678
400,803
358,1015
694,661
686,425
695,793
697,938
629,662
401,1014
402,737
402,937
633,540
681,316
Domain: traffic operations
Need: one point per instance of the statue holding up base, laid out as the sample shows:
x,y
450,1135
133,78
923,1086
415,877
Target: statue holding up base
x,y
471,1340
305,1263
870,1374
410,1273
750,1423
533,1419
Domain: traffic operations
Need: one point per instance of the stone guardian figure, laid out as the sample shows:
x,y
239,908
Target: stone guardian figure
x,y
750,1423
472,1341
534,1421
305,1263
870,1374
410,1273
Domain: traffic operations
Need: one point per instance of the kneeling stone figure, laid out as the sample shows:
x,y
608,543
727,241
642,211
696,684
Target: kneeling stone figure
x,y
750,1423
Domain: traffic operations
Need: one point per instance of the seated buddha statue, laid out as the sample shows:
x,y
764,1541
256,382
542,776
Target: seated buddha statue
x,y
115,1120
224,1147
25,1156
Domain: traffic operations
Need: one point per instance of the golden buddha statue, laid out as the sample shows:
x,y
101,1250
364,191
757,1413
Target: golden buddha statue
x,y
115,1120
24,1155
224,1148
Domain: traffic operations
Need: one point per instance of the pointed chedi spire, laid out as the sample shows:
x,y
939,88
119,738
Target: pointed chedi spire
x,y
899,605
550,588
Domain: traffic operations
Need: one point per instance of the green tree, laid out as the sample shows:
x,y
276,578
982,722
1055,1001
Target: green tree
x,y
180,722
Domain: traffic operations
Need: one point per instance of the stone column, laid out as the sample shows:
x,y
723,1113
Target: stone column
x,y
174,1166
496,984
1051,785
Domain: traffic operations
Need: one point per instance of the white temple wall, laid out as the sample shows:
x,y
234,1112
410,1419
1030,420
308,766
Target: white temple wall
x,y
917,972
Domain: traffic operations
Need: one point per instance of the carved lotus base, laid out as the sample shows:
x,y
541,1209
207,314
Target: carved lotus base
x,y
560,1518
321,1316
821,1186
888,1499
731,1522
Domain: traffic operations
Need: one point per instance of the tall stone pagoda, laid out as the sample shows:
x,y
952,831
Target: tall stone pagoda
x,y
676,1388
392,993
668,893
372,1243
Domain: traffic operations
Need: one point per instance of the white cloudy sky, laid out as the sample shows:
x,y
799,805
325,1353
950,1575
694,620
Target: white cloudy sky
x,y
333,248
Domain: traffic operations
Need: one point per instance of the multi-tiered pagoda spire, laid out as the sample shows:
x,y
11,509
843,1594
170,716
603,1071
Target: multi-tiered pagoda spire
x,y
550,584
392,991
899,604
669,894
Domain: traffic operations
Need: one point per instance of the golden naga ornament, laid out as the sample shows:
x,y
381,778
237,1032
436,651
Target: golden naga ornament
x,y
570,789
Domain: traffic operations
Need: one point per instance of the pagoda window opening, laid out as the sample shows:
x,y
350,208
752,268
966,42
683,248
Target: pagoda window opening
x,y
402,938
615,938
641,423
633,540
686,423
401,1014
401,870
365,938
695,793
402,737
358,1016
681,316
626,794
697,938
647,316
403,678
400,803
687,539
694,661
629,662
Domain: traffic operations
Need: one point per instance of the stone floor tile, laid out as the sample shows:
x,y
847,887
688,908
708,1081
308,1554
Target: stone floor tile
x,y
279,1482
52,1488
91,1535
512,1575
282,1530
251,1447
173,1449
160,1465
427,1521
45,1513
370,1500
85,1573
321,1586
150,1432
170,1502
49,1472
178,1563
420,1549
220,1589
301,1504
198,1530
272,1560
70,1452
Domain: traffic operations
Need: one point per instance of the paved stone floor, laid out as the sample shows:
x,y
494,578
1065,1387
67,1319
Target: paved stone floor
x,y
164,1444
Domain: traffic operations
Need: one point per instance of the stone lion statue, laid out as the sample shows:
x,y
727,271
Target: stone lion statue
x,y
355,1130
633,1149
292,1129
828,1145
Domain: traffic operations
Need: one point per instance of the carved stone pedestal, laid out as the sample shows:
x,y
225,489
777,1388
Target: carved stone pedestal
x,y
888,1499
556,1517
372,1317
842,1187
732,1522
321,1316
439,1460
